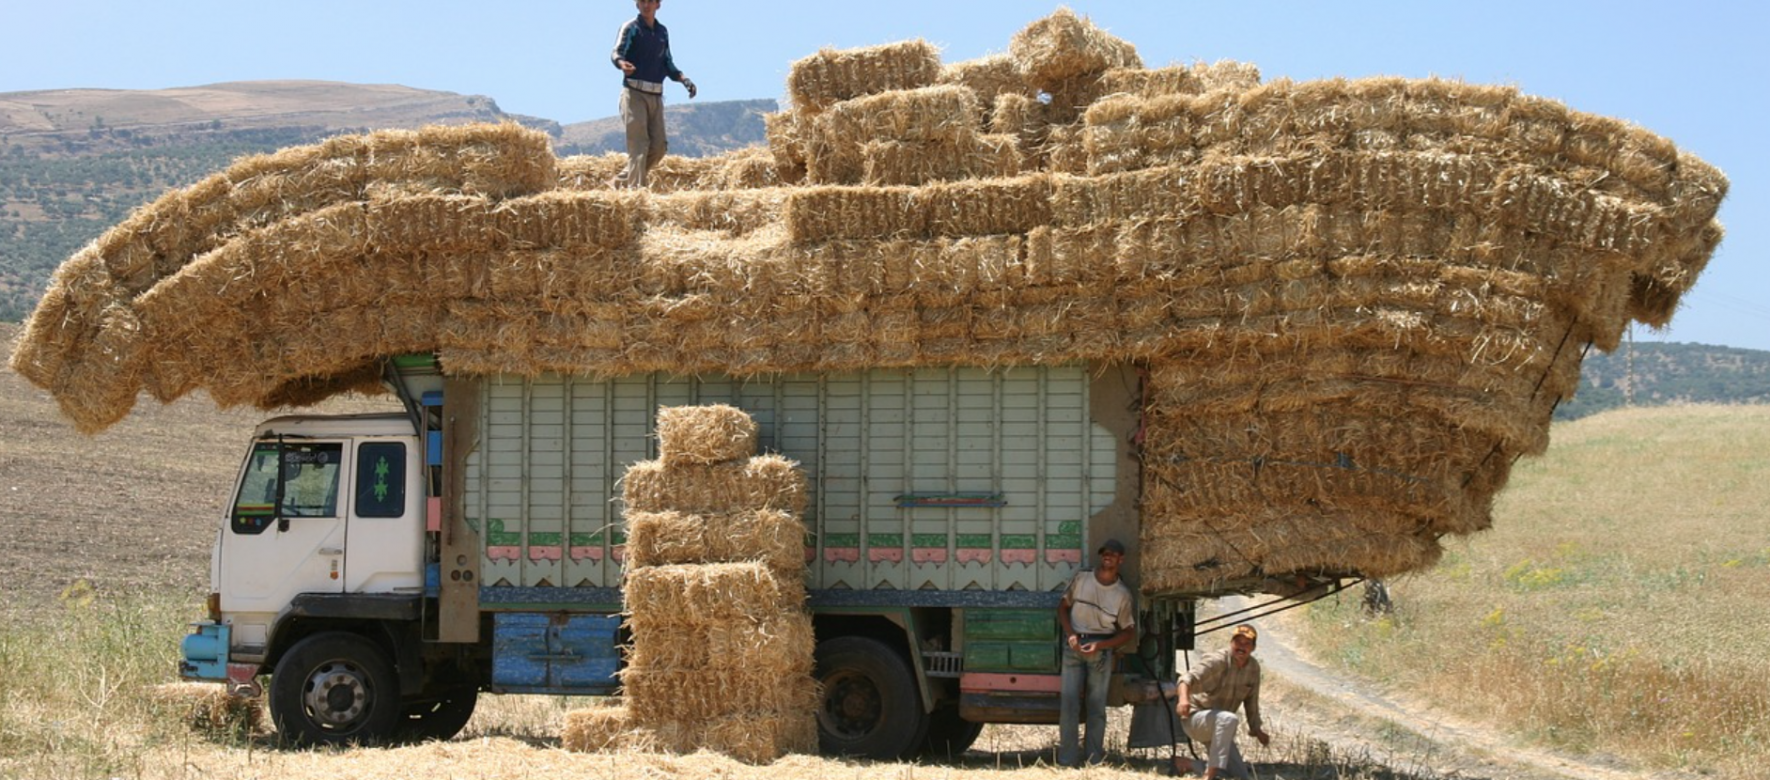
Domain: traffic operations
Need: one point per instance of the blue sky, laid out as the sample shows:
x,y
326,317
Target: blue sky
x,y
1693,71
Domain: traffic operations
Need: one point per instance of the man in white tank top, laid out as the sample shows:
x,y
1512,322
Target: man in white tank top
x,y
1098,616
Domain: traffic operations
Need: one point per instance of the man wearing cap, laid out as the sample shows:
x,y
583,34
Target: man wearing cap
x,y
1211,693
642,52
1097,616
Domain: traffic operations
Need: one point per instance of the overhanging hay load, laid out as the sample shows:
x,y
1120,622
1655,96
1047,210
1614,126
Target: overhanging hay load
x,y
1358,300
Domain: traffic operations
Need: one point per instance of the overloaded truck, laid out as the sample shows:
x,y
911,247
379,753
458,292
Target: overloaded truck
x,y
384,569
1269,335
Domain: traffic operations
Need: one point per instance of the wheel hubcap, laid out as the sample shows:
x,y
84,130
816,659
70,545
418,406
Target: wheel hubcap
x,y
852,706
337,695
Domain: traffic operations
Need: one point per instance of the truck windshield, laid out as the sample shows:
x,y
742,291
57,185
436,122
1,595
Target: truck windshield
x,y
310,489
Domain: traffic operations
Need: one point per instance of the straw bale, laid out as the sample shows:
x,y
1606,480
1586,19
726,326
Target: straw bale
x,y
596,729
772,537
990,77
709,594
714,433
973,207
1227,75
937,113
761,482
830,76
1198,553
208,708
698,696
589,172
890,163
1063,46
756,738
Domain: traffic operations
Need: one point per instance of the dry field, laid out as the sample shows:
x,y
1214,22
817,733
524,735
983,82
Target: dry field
x,y
1617,606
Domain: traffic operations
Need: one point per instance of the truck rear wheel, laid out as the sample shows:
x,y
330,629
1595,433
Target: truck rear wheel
x,y
334,689
949,735
870,706
439,717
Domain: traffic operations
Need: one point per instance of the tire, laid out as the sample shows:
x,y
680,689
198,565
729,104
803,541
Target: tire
x,y
335,689
439,717
949,735
870,707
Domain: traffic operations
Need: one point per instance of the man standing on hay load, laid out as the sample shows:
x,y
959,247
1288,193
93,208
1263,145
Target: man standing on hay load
x,y
1097,616
642,52
1211,693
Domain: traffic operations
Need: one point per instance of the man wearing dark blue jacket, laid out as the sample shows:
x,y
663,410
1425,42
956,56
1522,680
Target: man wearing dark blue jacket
x,y
642,52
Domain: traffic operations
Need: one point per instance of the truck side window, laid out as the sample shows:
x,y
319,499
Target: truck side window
x,y
310,488
380,479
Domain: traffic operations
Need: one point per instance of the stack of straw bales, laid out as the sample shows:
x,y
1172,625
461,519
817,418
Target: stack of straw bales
x,y
1358,300
715,593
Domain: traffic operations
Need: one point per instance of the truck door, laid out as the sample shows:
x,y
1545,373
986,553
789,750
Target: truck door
x,y
270,552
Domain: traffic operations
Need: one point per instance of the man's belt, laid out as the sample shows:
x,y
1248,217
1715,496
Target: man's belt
x,y
654,87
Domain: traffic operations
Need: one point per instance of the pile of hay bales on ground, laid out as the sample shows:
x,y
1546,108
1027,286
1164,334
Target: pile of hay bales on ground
x,y
1358,301
208,708
721,656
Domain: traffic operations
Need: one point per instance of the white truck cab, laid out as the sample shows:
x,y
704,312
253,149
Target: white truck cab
x,y
349,520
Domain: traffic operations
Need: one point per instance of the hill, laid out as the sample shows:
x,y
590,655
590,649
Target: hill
x,y
1657,374
74,162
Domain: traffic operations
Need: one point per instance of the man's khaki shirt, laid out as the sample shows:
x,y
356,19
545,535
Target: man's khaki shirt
x,y
1217,684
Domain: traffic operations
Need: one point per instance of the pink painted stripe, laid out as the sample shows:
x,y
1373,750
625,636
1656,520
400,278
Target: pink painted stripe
x,y
928,555
975,555
1033,683
580,553
433,514
842,555
1063,556
504,553
544,553
1020,556
892,554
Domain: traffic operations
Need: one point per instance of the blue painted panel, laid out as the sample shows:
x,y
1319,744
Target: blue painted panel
x,y
519,649
431,398
205,652
585,655
433,448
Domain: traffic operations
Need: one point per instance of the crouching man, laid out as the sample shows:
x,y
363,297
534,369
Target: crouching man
x,y
1211,693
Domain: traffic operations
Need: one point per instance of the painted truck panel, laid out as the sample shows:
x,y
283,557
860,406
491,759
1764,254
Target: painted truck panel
x,y
928,479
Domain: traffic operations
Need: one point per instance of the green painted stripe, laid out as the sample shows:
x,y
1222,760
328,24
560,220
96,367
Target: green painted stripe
x,y
974,540
927,540
1020,542
884,540
1069,527
425,360
546,539
841,540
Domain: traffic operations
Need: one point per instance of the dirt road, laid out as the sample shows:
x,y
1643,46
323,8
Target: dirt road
x,y
1353,717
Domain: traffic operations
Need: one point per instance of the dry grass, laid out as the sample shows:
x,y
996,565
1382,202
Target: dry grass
x,y
1616,606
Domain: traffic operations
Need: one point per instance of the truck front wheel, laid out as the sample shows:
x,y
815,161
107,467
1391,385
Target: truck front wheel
x,y
870,706
334,689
